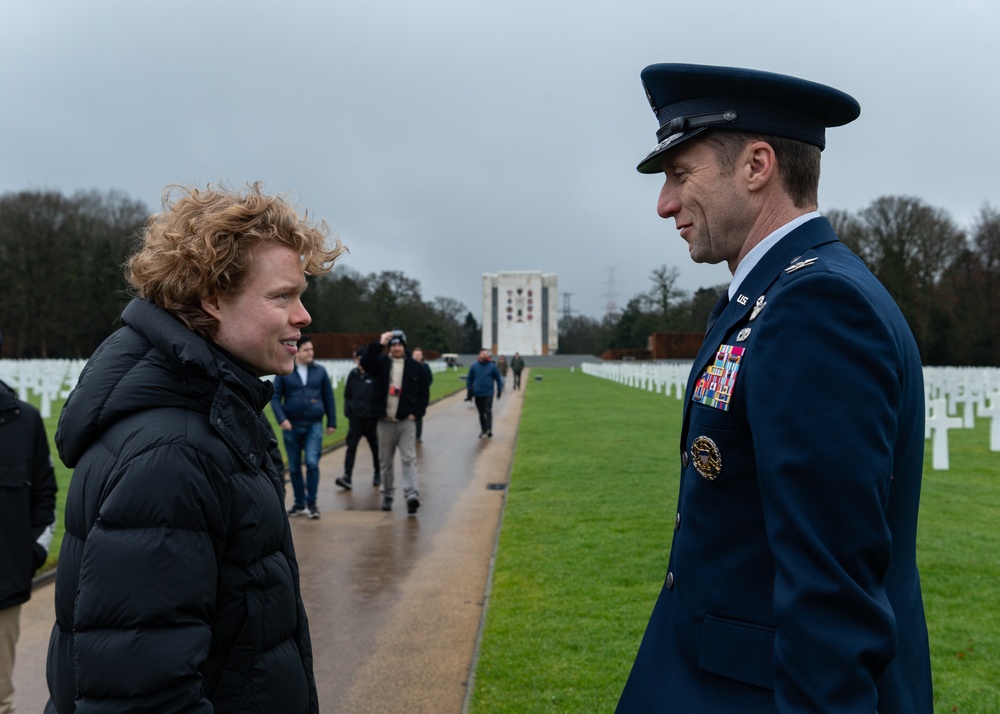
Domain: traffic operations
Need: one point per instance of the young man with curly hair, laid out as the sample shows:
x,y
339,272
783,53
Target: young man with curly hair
x,y
178,587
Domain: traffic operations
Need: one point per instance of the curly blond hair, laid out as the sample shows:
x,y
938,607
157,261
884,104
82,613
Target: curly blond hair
x,y
204,244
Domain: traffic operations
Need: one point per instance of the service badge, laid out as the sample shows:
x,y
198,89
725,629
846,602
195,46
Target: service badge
x,y
706,457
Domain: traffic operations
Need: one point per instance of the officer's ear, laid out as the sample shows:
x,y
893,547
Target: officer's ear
x,y
758,166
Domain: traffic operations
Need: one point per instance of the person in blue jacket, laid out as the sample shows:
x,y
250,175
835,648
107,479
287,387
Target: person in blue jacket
x,y
792,582
301,400
483,374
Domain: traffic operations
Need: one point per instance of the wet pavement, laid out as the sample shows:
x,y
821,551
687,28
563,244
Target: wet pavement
x,y
394,601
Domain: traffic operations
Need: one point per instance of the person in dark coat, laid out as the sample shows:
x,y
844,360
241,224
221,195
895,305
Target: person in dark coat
x,y
401,395
178,586
792,582
479,386
418,355
27,519
301,400
517,366
359,408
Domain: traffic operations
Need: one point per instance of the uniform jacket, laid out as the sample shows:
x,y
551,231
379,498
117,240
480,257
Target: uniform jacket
x,y
415,392
177,588
27,497
359,395
304,403
480,380
792,583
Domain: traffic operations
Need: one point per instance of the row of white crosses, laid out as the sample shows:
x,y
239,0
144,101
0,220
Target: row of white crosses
x,y
976,389
667,378
44,381
41,381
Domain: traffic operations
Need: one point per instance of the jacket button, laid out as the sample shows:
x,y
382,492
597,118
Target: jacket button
x,y
677,521
253,458
670,581
684,459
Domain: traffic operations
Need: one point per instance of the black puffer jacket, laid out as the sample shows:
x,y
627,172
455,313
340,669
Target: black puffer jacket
x,y
177,588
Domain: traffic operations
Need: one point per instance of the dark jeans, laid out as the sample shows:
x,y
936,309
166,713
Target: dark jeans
x,y
304,438
517,380
485,407
367,428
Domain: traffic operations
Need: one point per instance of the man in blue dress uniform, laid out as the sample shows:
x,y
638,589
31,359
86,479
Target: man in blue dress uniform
x,y
792,583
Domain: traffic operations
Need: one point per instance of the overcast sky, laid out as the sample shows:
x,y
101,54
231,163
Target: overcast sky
x,y
449,138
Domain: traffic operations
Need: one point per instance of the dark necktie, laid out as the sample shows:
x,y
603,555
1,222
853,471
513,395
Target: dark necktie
x,y
717,310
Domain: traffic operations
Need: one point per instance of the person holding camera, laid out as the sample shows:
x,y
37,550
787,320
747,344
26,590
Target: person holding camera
x,y
479,385
401,395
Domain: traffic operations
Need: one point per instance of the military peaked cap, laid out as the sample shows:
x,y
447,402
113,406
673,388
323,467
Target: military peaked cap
x,y
688,99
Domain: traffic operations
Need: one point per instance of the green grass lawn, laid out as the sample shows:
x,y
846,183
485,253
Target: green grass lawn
x,y
586,535
444,383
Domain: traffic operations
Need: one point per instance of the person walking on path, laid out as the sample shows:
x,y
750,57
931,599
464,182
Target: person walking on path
x,y
178,586
418,355
483,374
517,366
401,396
27,520
301,399
792,582
359,408
502,366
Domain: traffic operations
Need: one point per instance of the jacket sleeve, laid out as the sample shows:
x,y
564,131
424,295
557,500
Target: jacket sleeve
x,y
370,361
825,468
147,585
279,394
329,403
349,395
43,495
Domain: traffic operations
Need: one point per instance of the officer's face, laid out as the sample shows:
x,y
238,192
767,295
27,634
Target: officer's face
x,y
706,202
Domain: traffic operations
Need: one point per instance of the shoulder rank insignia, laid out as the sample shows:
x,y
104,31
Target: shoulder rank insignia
x,y
799,265
758,306
706,457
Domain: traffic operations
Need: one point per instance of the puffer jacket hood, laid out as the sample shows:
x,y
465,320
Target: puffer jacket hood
x,y
130,379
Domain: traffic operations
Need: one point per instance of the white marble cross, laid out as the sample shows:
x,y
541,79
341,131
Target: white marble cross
x,y
938,424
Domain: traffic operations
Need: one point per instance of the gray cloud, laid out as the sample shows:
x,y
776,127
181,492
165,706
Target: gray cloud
x,y
448,139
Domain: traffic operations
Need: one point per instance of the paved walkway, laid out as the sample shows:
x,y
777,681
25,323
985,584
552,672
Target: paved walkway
x,y
394,602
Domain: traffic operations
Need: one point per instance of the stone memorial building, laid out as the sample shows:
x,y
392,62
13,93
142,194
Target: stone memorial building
x,y
520,313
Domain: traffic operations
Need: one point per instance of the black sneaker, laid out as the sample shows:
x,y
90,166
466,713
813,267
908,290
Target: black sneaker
x,y
387,503
313,511
296,510
344,482
412,504
377,481
489,434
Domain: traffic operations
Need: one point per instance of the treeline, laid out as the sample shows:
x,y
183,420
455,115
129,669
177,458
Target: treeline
x,y
945,279
61,261
61,270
